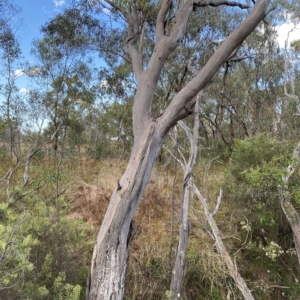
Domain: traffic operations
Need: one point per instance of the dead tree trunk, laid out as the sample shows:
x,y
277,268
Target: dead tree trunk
x,y
178,272
106,281
179,267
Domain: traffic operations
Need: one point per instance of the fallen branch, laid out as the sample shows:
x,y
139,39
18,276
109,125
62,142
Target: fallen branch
x,y
231,266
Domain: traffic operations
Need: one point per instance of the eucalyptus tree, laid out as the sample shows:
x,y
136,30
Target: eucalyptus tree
x,y
10,55
171,18
63,70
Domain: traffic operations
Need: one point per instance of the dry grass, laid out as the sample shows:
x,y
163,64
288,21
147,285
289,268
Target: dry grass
x,y
89,201
148,275
149,268
149,250
150,263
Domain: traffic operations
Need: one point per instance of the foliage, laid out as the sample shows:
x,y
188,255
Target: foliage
x,y
41,248
256,168
15,249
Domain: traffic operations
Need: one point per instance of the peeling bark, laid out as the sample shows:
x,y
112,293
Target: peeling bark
x,y
111,248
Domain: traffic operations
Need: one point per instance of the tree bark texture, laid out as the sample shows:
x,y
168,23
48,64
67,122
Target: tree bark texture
x,y
106,281
110,253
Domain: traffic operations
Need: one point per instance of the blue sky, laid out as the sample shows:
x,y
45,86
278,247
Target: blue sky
x,y
34,14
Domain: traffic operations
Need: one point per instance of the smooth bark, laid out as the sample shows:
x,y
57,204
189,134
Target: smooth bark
x,y
106,280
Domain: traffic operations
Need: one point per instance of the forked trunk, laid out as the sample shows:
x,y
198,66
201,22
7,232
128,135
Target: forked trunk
x,y
110,253
109,262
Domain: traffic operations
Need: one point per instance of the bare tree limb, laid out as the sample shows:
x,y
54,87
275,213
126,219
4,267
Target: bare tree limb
x,y
61,192
215,3
4,177
215,234
184,227
174,111
231,265
218,203
27,158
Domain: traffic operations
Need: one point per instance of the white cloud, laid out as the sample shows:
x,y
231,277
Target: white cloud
x,y
19,73
106,11
31,72
103,83
287,30
59,2
24,91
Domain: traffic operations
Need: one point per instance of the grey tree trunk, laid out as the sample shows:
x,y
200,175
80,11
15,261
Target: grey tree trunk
x,y
111,247
178,272
106,280
180,263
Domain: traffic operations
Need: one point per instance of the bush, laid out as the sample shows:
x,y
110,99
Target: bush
x,y
256,168
45,258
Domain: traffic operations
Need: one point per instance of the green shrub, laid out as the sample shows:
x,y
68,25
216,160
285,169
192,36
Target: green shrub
x,y
256,168
46,256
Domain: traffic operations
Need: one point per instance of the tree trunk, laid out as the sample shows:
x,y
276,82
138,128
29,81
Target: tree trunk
x,y
179,269
108,271
108,268
184,229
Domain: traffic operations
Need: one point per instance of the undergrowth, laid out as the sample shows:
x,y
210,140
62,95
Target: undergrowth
x,y
47,241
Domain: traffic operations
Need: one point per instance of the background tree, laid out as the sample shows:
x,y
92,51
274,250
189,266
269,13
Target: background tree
x,y
10,54
64,71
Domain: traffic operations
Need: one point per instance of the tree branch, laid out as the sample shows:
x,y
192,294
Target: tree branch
x,y
174,111
215,3
160,21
